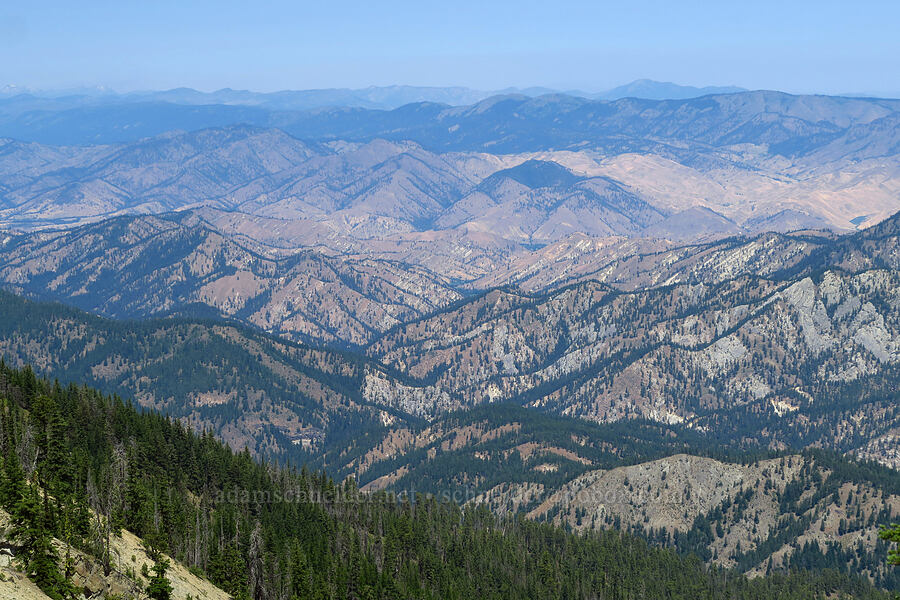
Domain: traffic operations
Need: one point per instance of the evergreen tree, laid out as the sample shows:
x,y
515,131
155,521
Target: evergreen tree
x,y
13,485
159,587
37,554
244,524
892,534
300,574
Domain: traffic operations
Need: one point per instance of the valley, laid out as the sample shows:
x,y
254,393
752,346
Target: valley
x,y
670,327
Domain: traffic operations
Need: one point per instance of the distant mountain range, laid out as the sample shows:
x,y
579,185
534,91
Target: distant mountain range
x,y
77,116
789,125
385,97
604,259
531,299
740,162
659,90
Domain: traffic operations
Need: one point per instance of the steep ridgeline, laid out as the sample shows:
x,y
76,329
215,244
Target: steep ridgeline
x,y
145,266
83,468
807,356
808,511
345,292
745,508
635,264
277,398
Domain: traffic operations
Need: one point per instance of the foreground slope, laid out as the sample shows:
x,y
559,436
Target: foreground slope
x,y
256,530
125,579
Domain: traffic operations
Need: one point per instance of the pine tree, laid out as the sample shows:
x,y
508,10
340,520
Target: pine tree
x,y
13,487
228,570
159,587
300,574
892,534
30,528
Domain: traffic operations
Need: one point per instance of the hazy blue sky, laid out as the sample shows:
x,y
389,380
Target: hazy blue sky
x,y
802,46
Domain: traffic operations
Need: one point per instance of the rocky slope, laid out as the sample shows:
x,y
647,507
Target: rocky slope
x,y
772,352
756,517
130,267
634,264
766,511
125,580
672,353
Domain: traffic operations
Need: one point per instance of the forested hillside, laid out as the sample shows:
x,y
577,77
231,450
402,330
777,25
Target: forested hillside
x,y
252,390
78,465
741,506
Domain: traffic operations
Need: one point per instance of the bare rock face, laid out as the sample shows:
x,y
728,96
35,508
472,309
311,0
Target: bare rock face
x,y
594,352
414,400
884,449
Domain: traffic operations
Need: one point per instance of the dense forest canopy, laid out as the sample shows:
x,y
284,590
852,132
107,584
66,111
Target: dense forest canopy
x,y
78,466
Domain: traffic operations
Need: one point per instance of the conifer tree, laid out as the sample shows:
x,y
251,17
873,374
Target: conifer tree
x,y
300,574
159,587
892,534
30,528
13,485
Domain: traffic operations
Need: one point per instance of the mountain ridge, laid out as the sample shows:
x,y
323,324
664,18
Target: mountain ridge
x,y
390,96
605,353
302,531
762,160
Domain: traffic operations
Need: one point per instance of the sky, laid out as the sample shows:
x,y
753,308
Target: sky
x,y
796,46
